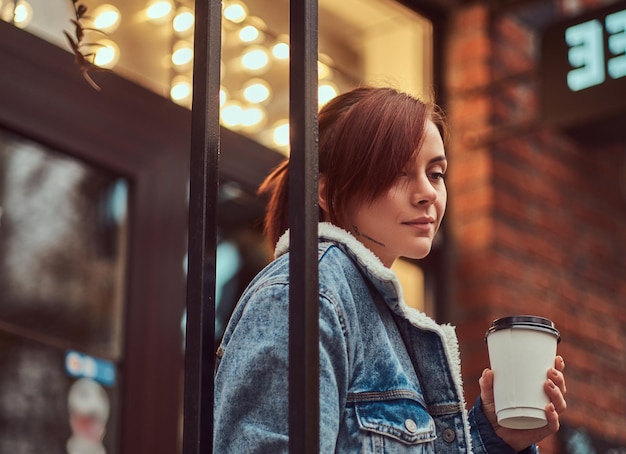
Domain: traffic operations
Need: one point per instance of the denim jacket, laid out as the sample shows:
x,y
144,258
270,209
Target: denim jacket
x,y
390,377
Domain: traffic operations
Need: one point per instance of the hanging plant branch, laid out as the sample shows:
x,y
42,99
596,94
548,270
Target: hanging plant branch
x,y
83,60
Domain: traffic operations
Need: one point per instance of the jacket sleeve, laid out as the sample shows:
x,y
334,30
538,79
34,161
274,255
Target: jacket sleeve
x,y
485,439
251,383
251,379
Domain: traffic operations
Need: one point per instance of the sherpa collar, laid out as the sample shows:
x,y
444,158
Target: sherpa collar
x,y
382,277
387,282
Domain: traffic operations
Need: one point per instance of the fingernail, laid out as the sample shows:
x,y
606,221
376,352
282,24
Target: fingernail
x,y
484,372
554,372
551,384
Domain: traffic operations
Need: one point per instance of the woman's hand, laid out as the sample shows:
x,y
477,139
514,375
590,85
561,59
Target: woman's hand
x,y
521,439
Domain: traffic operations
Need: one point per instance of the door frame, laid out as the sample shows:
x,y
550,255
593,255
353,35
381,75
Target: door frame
x,y
144,138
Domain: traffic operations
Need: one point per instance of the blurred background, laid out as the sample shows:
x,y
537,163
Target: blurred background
x,y
94,194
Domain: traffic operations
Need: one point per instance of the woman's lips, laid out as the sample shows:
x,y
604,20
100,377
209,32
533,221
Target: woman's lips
x,y
423,224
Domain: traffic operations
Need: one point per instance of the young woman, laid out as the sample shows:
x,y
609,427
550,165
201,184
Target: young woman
x,y
390,379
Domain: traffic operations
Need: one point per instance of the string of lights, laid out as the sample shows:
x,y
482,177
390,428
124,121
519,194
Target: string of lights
x,y
151,41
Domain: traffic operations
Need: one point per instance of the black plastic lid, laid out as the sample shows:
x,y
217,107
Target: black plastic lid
x,y
524,321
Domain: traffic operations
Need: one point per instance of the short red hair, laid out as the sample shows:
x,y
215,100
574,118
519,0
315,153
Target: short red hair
x,y
366,138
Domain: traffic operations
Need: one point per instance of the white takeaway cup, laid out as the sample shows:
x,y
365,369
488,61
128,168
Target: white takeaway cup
x,y
522,349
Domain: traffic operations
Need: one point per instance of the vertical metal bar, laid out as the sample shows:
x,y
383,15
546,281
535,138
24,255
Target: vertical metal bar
x,y
203,185
303,219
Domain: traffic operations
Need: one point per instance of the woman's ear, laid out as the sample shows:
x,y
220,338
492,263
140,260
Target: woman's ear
x,y
321,191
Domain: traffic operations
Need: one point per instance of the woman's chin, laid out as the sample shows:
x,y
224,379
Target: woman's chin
x,y
420,252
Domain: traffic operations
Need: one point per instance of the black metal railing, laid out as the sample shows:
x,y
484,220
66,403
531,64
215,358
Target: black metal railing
x,y
203,185
303,217
303,293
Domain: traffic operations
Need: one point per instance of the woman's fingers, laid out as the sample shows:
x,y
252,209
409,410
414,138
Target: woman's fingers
x,y
486,395
559,380
552,416
556,394
559,363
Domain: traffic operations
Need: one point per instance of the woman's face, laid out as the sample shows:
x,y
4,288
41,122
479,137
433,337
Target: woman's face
x,y
404,221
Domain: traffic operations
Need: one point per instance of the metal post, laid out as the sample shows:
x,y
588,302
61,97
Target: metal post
x,y
205,144
303,219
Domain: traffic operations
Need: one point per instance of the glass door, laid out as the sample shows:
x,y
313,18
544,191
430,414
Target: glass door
x,y
93,235
63,255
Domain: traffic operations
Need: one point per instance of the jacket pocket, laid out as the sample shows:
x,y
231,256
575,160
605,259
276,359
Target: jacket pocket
x,y
395,425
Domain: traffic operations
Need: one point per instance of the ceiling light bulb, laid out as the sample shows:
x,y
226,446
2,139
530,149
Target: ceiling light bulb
x,y
280,51
106,18
159,11
181,89
182,54
252,117
255,58
323,71
235,11
231,114
183,21
249,33
281,133
256,91
326,92
23,14
107,54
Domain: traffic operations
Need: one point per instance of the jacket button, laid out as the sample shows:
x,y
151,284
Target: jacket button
x,y
410,426
449,435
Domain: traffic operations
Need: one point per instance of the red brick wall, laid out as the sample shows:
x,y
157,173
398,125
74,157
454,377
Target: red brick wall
x,y
537,221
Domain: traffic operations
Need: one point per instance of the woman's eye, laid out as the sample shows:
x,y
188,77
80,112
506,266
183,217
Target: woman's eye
x,y
438,176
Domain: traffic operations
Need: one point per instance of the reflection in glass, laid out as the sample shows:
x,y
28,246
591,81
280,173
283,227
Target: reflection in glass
x,y
34,399
63,232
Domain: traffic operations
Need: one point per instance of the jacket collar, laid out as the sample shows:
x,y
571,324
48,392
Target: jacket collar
x,y
385,279
388,284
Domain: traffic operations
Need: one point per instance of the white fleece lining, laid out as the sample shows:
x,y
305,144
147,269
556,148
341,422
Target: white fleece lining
x,y
418,319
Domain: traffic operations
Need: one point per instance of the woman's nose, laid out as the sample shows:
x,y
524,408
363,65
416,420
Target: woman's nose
x,y
423,192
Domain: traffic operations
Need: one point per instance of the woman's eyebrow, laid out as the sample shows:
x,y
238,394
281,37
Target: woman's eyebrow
x,y
437,159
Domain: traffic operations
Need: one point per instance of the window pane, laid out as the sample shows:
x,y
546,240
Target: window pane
x,y
63,229
35,401
360,42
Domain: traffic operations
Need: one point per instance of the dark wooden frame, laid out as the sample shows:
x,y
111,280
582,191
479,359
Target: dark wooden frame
x,y
145,138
